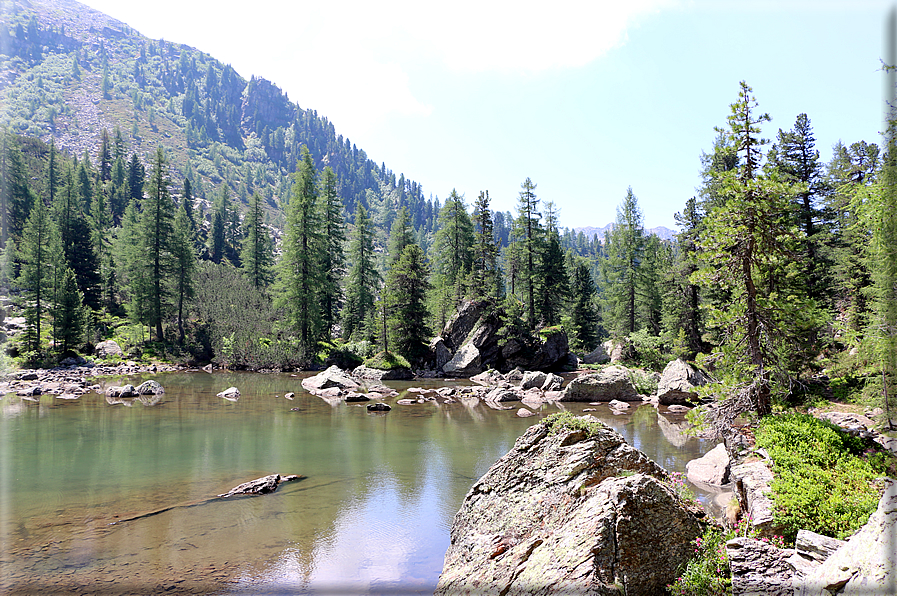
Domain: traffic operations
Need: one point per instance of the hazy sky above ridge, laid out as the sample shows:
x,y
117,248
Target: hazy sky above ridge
x,y
585,98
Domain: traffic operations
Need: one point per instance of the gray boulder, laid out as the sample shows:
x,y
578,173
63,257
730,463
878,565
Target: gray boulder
x,y
231,393
460,326
489,377
552,382
759,568
533,378
441,353
753,487
107,348
332,377
500,394
678,382
122,391
610,383
378,374
711,468
597,356
465,363
569,512
150,388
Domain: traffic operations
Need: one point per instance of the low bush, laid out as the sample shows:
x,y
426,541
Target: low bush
x,y
386,361
566,420
826,481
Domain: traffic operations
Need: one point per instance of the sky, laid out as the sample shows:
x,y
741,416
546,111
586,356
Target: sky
x,y
585,98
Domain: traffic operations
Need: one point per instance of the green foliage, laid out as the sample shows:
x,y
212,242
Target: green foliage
x,y
362,281
405,295
823,483
386,361
708,572
650,350
644,382
565,420
623,277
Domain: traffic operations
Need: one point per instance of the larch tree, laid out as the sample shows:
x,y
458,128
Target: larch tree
x,y
748,247
183,265
622,276
363,279
35,274
257,254
333,260
486,274
551,283
300,275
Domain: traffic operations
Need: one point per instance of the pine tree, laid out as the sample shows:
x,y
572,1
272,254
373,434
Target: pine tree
x,y
405,301
68,313
401,235
486,276
621,274
452,256
77,241
551,283
333,262
155,228
746,246
35,276
528,229
583,315
257,257
363,279
183,266
299,281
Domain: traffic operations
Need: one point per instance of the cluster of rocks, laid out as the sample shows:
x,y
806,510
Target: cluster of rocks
x,y
569,511
864,425
335,385
75,376
470,344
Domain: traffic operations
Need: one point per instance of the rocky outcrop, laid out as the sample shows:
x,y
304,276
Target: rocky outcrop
x,y
470,344
465,363
597,356
759,568
610,383
866,563
752,484
569,511
711,468
332,377
678,382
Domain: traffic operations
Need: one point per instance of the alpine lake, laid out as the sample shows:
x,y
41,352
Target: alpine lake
x,y
100,497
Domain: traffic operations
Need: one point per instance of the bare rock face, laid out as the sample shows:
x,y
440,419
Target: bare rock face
x,y
759,568
569,512
597,356
678,382
753,484
712,467
610,383
440,352
465,363
107,348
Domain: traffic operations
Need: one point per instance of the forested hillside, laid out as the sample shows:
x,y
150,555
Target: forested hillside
x,y
152,195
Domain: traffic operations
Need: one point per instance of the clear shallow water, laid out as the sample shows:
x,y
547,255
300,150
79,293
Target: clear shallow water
x,y
372,515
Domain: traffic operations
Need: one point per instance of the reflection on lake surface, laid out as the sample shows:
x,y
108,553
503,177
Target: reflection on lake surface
x,y
372,515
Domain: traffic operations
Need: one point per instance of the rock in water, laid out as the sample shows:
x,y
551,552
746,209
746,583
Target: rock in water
x,y
259,486
150,388
569,512
231,393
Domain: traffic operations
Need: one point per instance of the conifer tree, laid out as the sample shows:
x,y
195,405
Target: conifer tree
x,y
333,263
621,274
363,279
528,229
453,256
183,265
748,236
405,301
401,235
583,315
35,275
551,283
257,255
68,312
486,277
155,228
299,281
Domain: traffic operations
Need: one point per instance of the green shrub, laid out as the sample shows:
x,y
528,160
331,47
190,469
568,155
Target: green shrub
x,y
822,481
644,383
566,420
386,361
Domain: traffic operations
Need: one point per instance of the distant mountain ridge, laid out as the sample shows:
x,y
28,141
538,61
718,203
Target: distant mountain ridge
x,y
660,231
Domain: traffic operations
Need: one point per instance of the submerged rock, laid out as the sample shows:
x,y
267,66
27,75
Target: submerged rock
x,y
260,486
231,393
569,512
332,377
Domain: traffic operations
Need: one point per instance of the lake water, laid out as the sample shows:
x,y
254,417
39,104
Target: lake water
x,y
372,515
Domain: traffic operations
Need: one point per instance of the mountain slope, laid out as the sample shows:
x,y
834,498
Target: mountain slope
x,y
68,72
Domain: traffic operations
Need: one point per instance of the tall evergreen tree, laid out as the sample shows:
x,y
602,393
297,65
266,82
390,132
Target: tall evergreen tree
x,y
528,229
68,313
333,262
748,237
299,282
551,283
183,265
583,315
155,228
257,255
363,279
35,275
486,277
621,271
405,295
452,256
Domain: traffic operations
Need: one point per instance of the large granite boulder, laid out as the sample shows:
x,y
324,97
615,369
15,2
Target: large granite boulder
x,y
465,363
569,512
758,568
608,384
597,356
107,348
331,377
441,353
150,388
711,468
459,327
399,373
678,382
533,378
